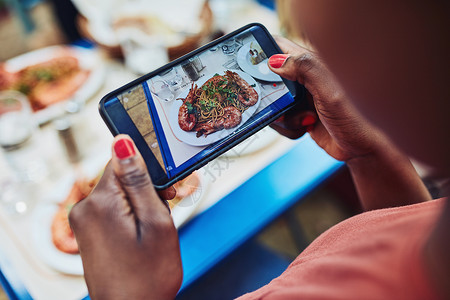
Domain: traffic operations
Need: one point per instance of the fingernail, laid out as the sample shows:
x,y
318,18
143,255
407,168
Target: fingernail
x,y
124,149
276,61
308,120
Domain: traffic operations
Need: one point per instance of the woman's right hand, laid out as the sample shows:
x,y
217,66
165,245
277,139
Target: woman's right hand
x,y
336,125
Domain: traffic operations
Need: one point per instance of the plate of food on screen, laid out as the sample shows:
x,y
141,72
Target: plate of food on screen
x,y
51,76
252,60
53,238
214,107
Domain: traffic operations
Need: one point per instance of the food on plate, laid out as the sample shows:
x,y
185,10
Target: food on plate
x,y
47,82
218,104
186,187
7,79
257,55
62,235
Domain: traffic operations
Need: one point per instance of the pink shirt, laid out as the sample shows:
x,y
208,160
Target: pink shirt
x,y
374,255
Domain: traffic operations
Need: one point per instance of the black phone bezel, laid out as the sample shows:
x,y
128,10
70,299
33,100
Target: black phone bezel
x,y
296,90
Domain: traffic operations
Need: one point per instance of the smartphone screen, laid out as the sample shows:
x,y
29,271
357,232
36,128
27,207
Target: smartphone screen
x,y
201,104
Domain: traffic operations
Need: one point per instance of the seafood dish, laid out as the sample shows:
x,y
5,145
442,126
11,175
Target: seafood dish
x,y
47,82
62,235
218,104
185,187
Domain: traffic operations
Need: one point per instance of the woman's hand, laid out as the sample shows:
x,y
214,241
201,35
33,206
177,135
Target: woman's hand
x,y
383,176
127,240
340,130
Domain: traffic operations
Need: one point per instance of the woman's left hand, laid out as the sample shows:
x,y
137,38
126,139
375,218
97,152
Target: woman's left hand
x,y
126,236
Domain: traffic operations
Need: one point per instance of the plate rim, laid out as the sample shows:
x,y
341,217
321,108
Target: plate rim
x,y
42,240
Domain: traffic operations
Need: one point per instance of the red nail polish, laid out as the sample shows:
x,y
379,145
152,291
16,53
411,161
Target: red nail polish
x,y
277,60
308,120
309,128
124,149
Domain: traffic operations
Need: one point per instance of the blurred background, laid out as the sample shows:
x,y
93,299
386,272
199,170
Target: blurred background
x,y
53,141
32,24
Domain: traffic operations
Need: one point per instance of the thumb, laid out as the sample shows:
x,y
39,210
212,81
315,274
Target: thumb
x,y
303,67
132,175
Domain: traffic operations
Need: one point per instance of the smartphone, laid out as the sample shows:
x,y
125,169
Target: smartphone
x,y
190,111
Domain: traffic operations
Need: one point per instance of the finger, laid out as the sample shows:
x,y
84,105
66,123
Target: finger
x,y
297,120
101,201
324,140
167,194
291,134
131,172
302,67
295,125
308,70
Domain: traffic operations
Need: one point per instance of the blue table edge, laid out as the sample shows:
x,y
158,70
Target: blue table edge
x,y
275,189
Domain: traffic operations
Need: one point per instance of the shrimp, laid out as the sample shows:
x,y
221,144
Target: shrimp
x,y
248,96
206,128
62,235
186,120
215,80
190,98
185,188
232,117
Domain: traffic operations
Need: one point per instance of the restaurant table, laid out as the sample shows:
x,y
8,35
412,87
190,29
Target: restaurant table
x,y
244,191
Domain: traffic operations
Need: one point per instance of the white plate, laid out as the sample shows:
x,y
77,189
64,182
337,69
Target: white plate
x,y
42,238
71,263
183,211
189,137
260,71
88,60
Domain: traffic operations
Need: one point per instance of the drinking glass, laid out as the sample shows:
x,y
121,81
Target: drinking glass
x,y
162,90
15,115
173,79
190,70
229,47
24,164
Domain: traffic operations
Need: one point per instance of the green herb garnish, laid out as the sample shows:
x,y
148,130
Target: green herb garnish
x,y
190,108
24,88
44,75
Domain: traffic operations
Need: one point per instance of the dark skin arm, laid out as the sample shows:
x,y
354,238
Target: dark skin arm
x,y
126,235
392,59
383,175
